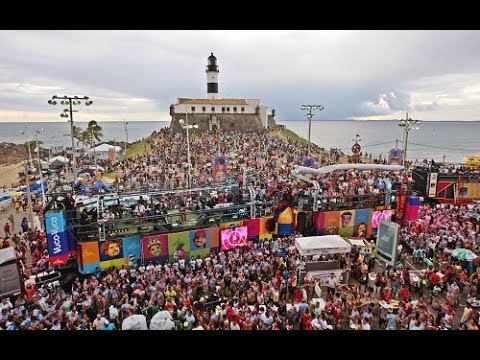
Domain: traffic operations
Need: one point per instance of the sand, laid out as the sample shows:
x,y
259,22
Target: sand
x,y
9,174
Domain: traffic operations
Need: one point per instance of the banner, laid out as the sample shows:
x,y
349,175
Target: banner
x,y
57,239
110,250
253,227
132,248
379,215
89,253
154,246
401,203
220,169
111,155
331,222
214,237
346,222
361,223
309,162
395,157
387,237
234,237
412,208
199,239
319,223
179,245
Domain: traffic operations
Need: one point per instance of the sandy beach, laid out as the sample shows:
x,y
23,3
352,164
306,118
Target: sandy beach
x,y
9,174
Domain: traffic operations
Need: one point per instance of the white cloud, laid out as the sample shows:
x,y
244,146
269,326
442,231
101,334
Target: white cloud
x,y
145,71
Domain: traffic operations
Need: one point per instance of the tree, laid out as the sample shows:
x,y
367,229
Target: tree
x,y
94,132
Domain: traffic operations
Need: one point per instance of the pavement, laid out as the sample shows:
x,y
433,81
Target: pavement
x,y
17,221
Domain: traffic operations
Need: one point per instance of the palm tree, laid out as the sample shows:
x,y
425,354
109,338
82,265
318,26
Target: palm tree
x,y
94,132
78,135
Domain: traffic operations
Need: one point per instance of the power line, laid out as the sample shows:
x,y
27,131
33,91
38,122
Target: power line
x,y
364,146
7,171
444,148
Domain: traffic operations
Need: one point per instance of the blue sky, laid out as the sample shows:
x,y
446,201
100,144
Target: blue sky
x,y
434,75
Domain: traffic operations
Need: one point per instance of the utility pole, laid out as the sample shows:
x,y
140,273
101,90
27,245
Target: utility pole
x,y
39,167
68,113
407,124
310,109
29,196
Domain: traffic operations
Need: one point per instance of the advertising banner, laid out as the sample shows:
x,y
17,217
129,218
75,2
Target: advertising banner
x,y
379,215
57,240
387,237
232,238
332,222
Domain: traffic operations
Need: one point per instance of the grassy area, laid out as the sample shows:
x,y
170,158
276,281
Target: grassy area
x,y
290,135
139,148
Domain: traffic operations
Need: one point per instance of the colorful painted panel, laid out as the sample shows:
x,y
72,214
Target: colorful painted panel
x,y
199,239
332,222
263,226
89,252
361,223
230,224
179,245
154,246
319,223
214,237
346,222
253,226
132,246
110,249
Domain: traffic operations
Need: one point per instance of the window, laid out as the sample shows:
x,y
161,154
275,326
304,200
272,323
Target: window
x,y
193,108
243,109
223,109
228,109
213,108
204,108
234,109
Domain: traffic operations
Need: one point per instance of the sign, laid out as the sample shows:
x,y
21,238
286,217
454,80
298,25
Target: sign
x,y
387,238
432,187
323,275
57,239
220,169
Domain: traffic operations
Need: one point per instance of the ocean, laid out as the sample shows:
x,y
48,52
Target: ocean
x,y
433,139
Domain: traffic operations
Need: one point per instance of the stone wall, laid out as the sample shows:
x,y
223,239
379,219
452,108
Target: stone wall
x,y
228,122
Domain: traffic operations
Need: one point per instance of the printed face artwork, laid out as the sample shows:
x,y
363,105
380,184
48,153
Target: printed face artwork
x,y
346,218
111,248
155,247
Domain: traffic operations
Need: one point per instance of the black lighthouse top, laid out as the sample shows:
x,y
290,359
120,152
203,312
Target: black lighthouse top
x,y
212,63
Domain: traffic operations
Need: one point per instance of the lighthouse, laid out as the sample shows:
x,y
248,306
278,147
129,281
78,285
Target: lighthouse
x,y
214,114
212,77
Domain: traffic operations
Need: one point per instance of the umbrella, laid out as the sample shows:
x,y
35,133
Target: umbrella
x,y
135,322
464,254
427,262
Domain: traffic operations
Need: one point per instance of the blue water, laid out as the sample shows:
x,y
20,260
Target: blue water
x,y
432,140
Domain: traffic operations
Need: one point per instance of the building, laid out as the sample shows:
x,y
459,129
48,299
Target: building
x,y
215,114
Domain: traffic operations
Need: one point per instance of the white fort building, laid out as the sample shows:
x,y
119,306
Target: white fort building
x,y
214,113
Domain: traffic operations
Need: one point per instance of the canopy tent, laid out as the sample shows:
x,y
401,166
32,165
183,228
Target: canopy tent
x,y
102,151
359,242
327,244
58,161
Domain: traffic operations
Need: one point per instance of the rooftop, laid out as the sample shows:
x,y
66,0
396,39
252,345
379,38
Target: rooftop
x,y
212,101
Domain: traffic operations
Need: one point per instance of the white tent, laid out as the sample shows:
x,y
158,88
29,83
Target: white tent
x,y
101,151
59,158
327,244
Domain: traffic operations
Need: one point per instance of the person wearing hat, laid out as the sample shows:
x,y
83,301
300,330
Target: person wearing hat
x,y
391,320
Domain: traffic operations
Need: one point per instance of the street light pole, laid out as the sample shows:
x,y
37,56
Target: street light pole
x,y
44,199
68,112
310,109
407,124
187,127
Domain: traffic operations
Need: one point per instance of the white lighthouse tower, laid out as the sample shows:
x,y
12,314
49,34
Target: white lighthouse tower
x,y
212,77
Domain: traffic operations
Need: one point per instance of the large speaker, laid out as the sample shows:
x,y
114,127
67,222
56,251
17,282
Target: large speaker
x,y
301,222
